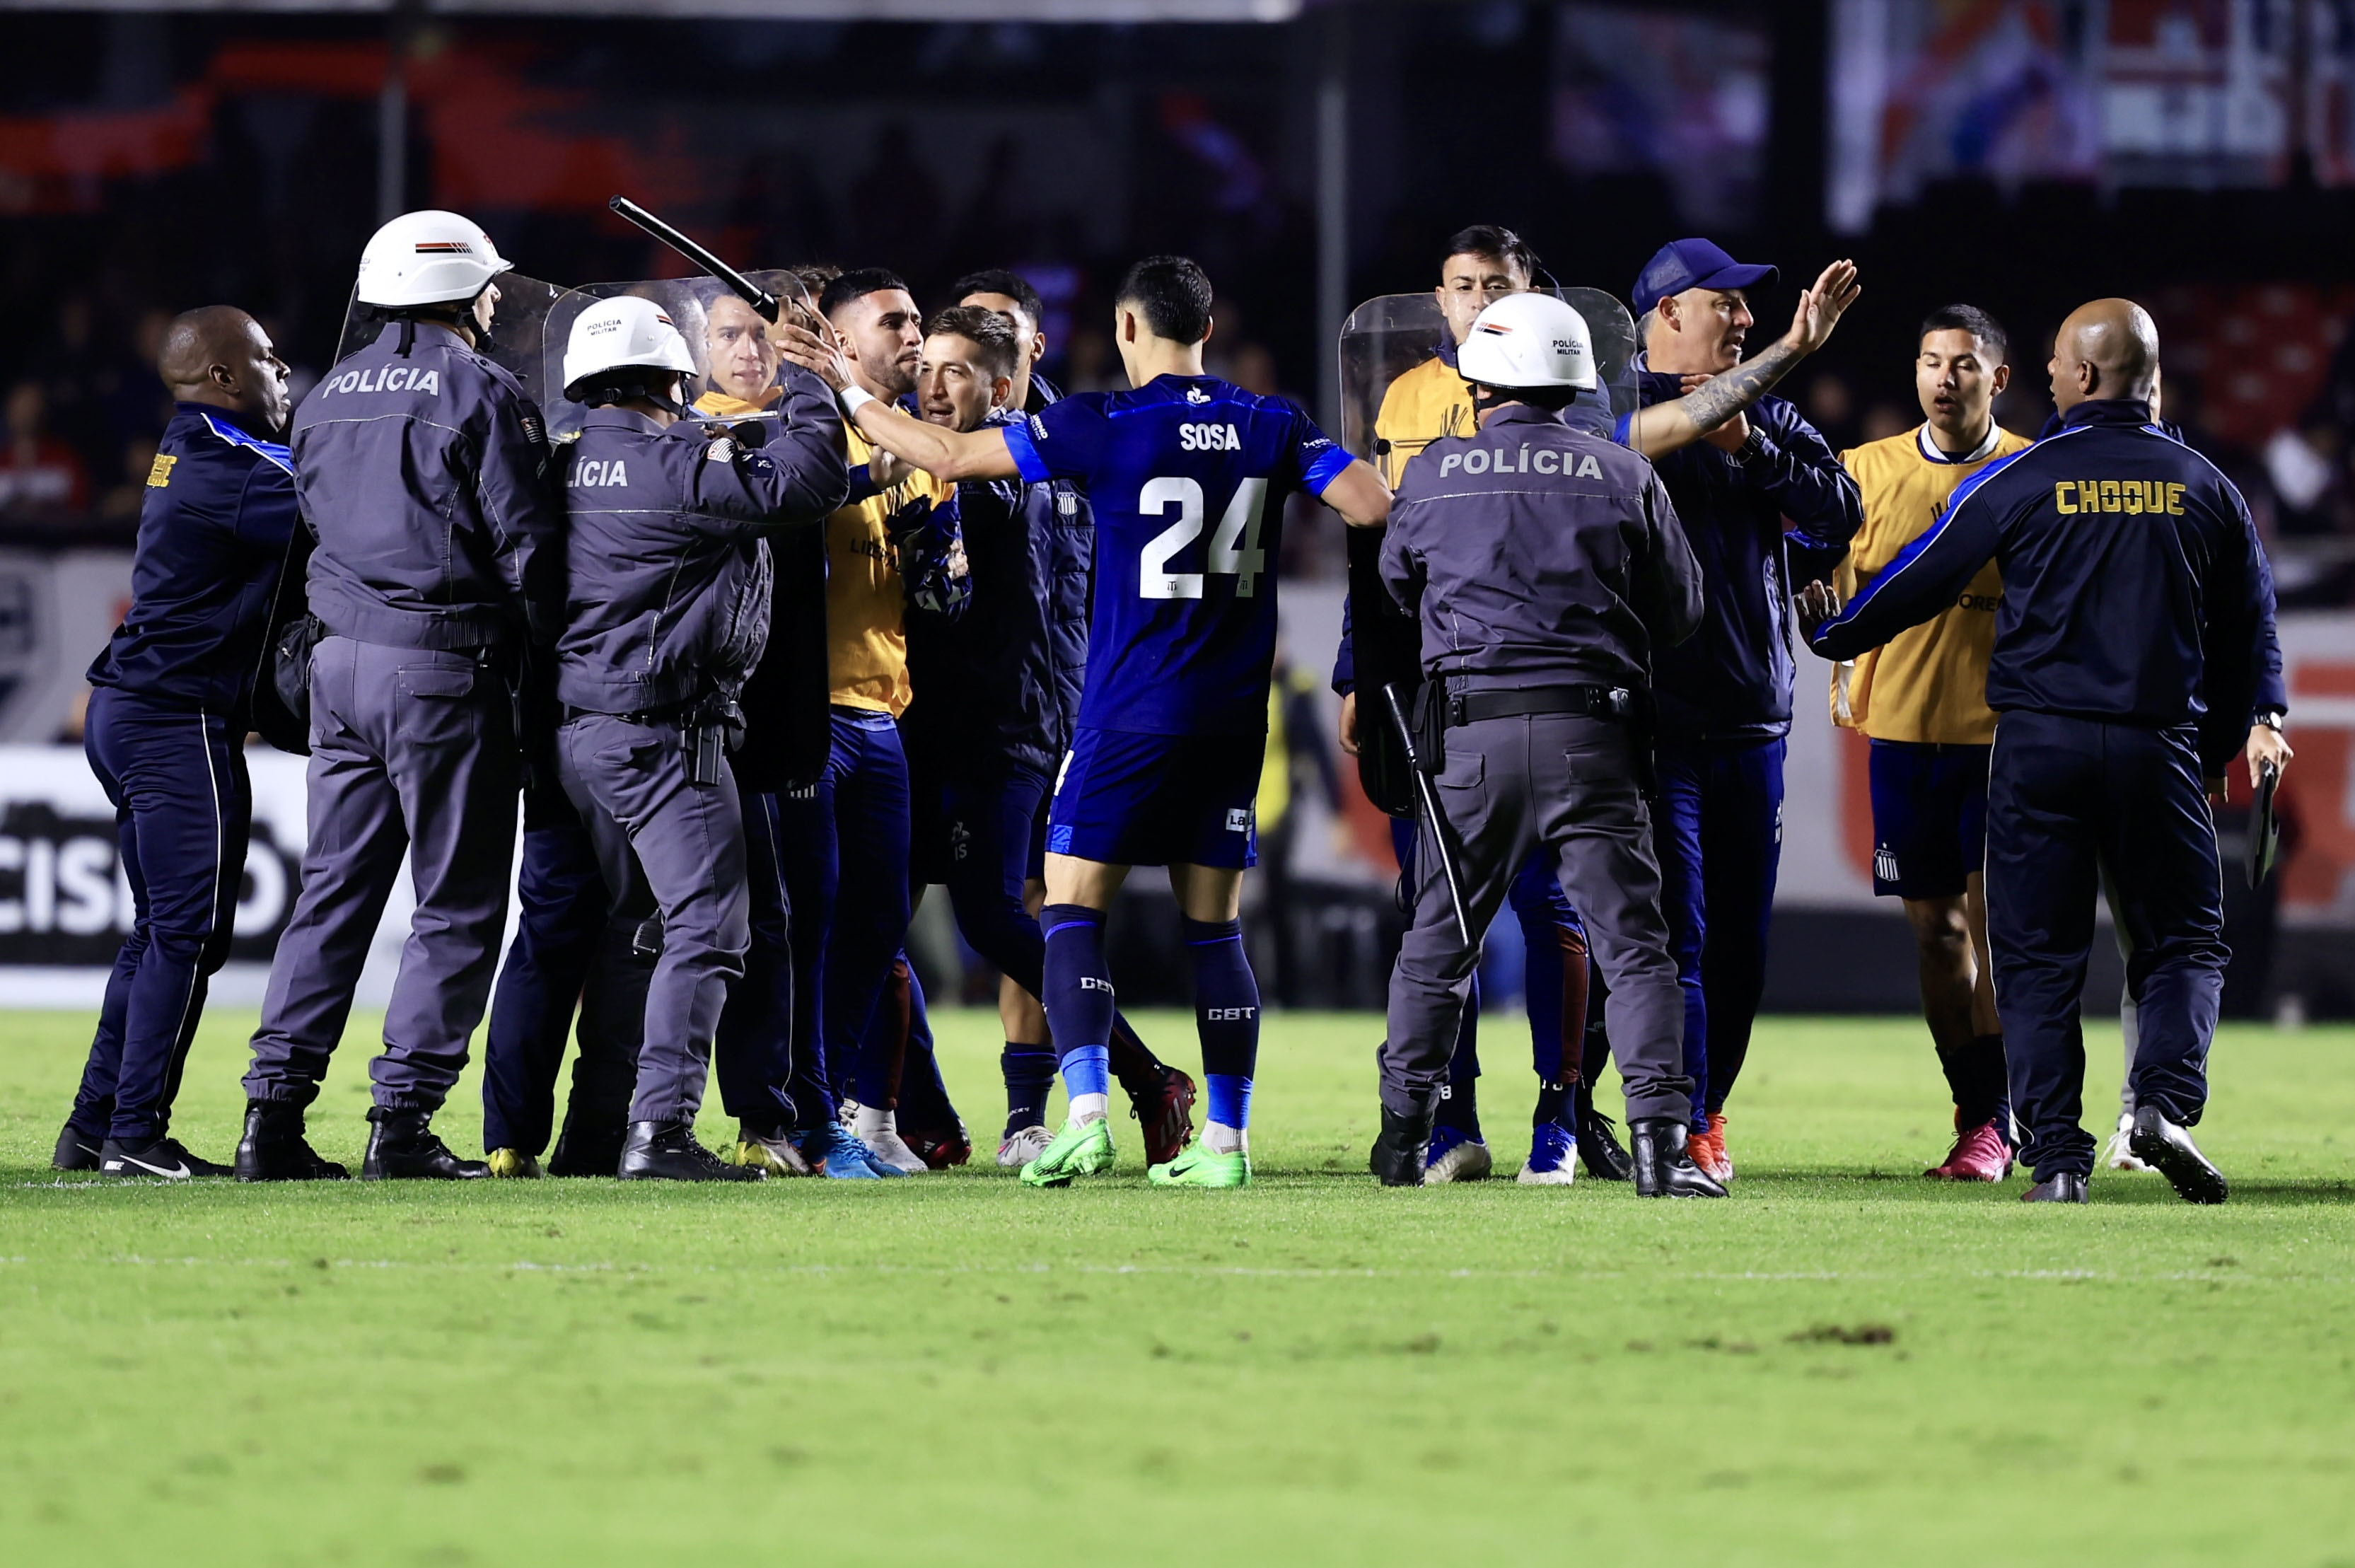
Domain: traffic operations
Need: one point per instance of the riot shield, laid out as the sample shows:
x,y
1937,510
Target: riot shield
x,y
1395,401
740,370
1387,338
519,330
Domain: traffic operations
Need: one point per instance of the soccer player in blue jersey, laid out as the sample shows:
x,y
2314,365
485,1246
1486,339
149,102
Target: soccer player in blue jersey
x,y
1188,477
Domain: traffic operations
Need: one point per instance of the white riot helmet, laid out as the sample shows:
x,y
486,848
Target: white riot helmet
x,y
625,334
1528,341
427,259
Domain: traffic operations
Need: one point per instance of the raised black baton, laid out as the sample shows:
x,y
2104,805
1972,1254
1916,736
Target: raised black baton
x,y
751,293
1440,831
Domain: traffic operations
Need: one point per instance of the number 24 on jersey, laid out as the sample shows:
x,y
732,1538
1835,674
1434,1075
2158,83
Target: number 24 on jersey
x,y
1234,547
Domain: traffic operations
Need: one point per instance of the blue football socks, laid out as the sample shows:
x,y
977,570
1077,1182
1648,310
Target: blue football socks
x,y
1079,1002
1029,1072
1226,1013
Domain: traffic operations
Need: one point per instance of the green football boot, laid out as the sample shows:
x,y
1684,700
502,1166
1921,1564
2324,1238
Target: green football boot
x,y
1077,1150
1201,1166
514,1165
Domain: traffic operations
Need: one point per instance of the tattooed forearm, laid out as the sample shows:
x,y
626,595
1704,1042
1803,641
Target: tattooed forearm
x,y
1723,397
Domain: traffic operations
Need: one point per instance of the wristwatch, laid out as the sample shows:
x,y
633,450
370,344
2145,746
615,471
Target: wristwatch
x,y
2271,719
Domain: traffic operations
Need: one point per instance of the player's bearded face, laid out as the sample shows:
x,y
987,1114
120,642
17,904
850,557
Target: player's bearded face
x,y
885,339
951,388
1470,283
744,360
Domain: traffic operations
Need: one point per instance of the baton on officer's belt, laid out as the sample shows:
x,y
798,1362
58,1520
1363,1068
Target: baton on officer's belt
x,y
751,293
2264,827
1439,824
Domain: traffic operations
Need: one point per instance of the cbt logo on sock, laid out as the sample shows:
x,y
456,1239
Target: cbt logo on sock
x,y
1230,1014
1091,982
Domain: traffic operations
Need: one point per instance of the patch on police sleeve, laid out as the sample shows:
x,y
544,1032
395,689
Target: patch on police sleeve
x,y
533,429
722,450
160,473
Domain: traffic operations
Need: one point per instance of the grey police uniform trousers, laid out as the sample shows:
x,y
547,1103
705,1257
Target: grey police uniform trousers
x,y
680,845
412,752
1508,786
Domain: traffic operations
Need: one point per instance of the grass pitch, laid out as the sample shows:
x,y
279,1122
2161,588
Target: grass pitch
x,y
1843,1364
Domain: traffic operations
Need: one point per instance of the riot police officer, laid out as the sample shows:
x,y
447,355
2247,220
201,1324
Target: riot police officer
x,y
667,614
1547,566
423,469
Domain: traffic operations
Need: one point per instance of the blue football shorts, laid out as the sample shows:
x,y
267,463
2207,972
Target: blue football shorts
x,y
1929,817
1126,798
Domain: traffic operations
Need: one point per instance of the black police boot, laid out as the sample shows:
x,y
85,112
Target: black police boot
x,y
403,1147
1663,1169
1598,1141
273,1149
667,1151
155,1159
75,1151
2159,1143
2061,1187
1398,1152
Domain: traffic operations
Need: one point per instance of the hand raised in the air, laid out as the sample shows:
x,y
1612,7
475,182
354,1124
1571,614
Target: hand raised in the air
x,y
1821,307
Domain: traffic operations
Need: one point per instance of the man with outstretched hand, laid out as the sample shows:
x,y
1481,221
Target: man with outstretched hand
x,y
1187,474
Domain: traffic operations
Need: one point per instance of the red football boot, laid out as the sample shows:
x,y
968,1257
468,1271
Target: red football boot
x,y
1707,1150
1166,1114
939,1148
1980,1155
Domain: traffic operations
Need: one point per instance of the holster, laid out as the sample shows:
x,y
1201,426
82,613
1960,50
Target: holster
x,y
289,682
1428,714
707,732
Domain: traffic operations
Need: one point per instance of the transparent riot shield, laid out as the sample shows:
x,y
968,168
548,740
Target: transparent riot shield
x,y
1386,340
519,330
1398,394
736,358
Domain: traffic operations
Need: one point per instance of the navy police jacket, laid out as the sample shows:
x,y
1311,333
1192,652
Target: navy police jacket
x,y
1538,554
214,531
425,474
1733,680
668,571
2135,590
1001,682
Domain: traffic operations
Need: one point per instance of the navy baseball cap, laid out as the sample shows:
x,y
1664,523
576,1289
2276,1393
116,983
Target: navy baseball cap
x,y
1682,264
